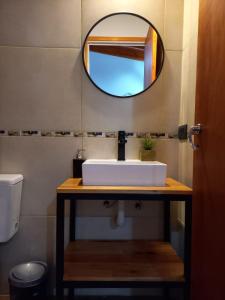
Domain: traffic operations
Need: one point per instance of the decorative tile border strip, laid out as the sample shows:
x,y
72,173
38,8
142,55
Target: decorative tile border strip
x,y
31,133
13,132
95,134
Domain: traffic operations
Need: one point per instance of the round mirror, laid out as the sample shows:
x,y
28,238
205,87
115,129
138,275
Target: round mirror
x,y
123,54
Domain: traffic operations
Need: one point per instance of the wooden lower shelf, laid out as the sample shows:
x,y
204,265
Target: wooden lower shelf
x,y
122,261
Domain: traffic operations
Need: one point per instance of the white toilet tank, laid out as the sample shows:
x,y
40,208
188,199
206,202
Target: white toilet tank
x,y
10,199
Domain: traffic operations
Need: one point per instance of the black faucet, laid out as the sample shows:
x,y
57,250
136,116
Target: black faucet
x,y
121,145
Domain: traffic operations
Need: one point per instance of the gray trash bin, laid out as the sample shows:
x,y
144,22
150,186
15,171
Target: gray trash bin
x,y
28,281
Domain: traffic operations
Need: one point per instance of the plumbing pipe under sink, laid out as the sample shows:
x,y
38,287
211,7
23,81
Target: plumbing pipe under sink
x,y
120,217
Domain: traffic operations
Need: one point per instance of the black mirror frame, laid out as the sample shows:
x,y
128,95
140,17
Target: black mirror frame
x,y
83,54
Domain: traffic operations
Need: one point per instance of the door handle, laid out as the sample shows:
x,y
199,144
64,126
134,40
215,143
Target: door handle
x,y
194,130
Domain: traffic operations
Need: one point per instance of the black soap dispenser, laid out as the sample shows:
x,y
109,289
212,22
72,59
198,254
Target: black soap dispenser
x,y
77,164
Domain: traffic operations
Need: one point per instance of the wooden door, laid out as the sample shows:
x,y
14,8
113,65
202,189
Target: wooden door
x,y
208,245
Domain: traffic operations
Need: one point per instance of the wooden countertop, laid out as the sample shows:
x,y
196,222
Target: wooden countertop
x,y
74,185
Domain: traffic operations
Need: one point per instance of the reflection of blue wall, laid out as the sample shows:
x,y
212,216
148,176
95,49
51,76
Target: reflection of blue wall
x,y
117,75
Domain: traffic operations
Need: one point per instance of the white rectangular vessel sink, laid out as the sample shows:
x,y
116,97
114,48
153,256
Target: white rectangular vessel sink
x,y
123,173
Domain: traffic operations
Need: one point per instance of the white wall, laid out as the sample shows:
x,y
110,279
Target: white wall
x,y
188,89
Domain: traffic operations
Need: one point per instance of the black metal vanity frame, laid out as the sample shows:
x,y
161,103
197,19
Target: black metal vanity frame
x,y
165,198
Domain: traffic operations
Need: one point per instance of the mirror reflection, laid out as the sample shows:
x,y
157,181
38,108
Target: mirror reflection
x,y
123,54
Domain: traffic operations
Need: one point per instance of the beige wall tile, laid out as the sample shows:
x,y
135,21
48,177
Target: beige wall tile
x,y
157,109
194,20
167,152
173,31
185,85
186,22
45,23
104,228
100,148
101,111
185,172
190,22
188,90
172,90
97,209
40,88
44,162
93,10
187,113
